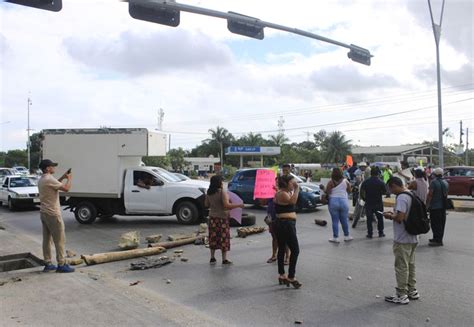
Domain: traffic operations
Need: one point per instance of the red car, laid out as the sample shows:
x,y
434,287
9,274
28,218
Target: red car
x,y
460,179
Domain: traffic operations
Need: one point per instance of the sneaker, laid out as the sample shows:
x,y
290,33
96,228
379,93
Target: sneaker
x,y
368,236
381,235
398,299
49,267
65,269
334,240
348,238
435,243
212,261
413,295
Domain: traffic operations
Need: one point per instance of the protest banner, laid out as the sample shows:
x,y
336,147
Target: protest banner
x,y
264,184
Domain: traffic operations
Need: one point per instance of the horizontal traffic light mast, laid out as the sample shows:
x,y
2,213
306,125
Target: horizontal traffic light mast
x,y
167,12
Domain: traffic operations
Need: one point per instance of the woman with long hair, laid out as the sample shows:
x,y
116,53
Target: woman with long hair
x,y
285,200
337,190
218,203
420,185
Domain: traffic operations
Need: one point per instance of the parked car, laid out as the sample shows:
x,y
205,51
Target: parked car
x,y
460,179
19,191
21,170
243,184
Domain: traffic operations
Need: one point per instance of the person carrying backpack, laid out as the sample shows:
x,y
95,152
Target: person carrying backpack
x,y
404,243
436,201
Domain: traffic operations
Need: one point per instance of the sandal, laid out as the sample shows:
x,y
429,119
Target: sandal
x,y
283,281
227,262
272,259
296,284
212,261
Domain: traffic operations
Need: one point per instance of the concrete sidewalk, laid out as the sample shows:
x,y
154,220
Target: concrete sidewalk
x,y
84,298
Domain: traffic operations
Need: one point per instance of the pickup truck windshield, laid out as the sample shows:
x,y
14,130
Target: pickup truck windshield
x,y
166,175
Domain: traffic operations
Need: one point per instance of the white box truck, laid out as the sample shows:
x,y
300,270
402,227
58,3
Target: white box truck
x,y
107,169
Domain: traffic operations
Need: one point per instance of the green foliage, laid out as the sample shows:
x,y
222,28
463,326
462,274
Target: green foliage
x,y
335,147
324,173
162,162
16,158
176,159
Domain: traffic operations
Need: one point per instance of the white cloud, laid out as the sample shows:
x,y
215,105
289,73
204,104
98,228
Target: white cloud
x,y
92,64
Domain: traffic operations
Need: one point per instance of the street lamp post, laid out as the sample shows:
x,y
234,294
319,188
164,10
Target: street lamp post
x,y
437,36
28,143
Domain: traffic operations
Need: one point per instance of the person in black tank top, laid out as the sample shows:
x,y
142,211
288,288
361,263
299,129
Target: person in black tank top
x,y
286,229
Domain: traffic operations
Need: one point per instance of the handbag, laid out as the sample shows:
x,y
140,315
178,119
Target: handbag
x,y
268,220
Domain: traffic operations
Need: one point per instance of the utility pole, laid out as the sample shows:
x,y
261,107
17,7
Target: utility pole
x,y
281,122
437,36
28,143
460,133
467,146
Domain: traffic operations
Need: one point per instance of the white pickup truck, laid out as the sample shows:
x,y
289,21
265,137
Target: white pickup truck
x,y
106,171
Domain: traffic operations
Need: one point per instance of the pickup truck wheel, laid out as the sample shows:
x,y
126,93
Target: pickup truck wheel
x,y
187,213
85,213
472,192
11,205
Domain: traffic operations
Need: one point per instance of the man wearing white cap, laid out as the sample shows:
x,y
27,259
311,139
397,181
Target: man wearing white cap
x,y
436,203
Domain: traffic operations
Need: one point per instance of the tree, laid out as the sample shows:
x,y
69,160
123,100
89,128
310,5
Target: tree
x,y
279,139
35,149
319,138
335,147
163,162
16,158
176,159
222,137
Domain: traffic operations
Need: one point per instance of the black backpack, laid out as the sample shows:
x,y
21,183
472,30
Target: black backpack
x,y
417,221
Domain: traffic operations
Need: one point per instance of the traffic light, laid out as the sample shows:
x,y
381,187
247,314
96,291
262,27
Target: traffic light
x,y
153,12
51,5
359,55
244,27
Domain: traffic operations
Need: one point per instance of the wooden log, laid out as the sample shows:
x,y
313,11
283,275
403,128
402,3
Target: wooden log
x,y
174,244
95,259
320,222
178,237
75,261
245,231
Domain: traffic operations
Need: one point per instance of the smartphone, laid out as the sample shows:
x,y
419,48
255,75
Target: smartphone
x,y
68,171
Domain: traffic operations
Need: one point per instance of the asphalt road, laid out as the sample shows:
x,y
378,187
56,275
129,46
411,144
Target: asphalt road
x,y
247,294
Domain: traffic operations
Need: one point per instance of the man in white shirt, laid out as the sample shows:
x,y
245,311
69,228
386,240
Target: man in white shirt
x,y
404,246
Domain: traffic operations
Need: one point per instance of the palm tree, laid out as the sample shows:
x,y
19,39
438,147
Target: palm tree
x,y
254,139
279,139
335,147
221,136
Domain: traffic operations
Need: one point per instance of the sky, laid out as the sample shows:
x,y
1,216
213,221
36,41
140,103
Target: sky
x,y
92,65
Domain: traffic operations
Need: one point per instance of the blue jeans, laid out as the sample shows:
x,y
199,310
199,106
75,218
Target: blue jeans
x,y
339,210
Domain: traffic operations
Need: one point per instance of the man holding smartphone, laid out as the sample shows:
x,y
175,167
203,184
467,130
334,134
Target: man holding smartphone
x,y
372,191
51,219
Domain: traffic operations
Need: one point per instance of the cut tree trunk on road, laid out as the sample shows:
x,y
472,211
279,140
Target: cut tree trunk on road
x,y
178,237
246,231
95,259
75,262
174,244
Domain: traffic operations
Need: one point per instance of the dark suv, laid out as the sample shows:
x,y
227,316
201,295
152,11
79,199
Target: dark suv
x,y
460,179
243,184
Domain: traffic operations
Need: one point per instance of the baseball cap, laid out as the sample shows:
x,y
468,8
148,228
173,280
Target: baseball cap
x,y
47,163
362,164
438,171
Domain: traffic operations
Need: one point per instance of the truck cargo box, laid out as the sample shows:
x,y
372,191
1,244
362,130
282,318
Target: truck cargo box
x,y
99,157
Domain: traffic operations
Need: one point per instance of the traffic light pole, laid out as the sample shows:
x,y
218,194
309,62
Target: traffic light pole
x,y
437,36
251,21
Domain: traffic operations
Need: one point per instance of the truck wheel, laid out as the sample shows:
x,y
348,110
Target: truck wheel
x,y
11,205
187,213
85,213
472,192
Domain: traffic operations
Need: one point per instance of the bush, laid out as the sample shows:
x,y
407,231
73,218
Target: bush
x,y
318,174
